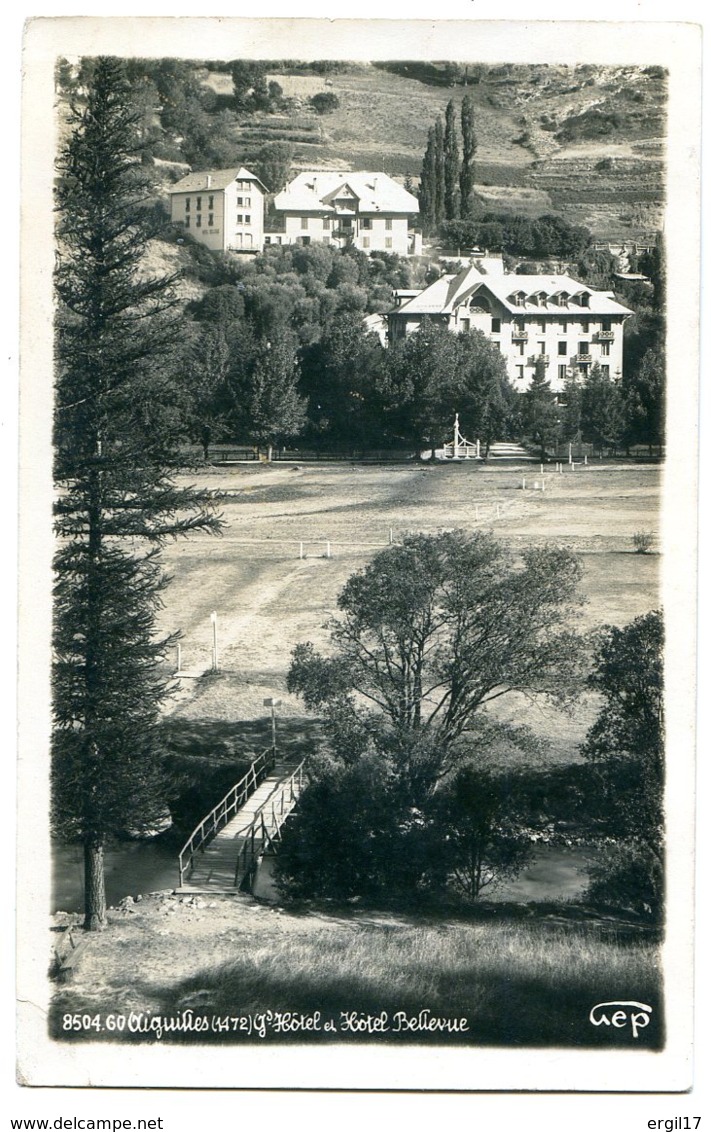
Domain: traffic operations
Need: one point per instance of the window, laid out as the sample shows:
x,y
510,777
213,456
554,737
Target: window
x,y
304,222
519,372
606,324
563,327
388,225
247,218
327,222
520,346
210,220
583,347
388,241
198,221
465,323
240,218
605,349
585,327
240,201
541,347
496,326
519,324
198,203
187,204
247,202
562,372
187,221
605,372
563,348
366,223
366,241
210,202
585,299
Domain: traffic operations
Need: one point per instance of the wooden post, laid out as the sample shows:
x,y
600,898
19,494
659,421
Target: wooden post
x,y
179,658
213,618
523,483
570,453
391,536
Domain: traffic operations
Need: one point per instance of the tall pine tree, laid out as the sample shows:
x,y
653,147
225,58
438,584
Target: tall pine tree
x,y
116,428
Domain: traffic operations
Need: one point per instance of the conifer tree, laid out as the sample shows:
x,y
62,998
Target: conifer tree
x,y
116,428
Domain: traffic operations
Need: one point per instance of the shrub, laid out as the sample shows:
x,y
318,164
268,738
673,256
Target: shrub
x,y
325,102
642,541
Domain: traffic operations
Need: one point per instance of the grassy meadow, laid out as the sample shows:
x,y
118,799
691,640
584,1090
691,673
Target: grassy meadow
x,y
514,978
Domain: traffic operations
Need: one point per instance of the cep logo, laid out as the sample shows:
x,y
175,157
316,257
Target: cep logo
x,y
620,1014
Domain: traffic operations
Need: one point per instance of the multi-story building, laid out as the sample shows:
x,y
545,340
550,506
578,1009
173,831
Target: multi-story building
x,y
369,210
221,208
553,318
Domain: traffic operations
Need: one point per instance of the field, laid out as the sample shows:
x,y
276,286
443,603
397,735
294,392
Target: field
x,y
268,598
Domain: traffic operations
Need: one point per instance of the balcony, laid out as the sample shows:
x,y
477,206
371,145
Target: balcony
x,y
519,335
534,358
604,336
581,360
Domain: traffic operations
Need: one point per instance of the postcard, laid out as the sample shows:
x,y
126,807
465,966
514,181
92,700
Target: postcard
x,y
358,468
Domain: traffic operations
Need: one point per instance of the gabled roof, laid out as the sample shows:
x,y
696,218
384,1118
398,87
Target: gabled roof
x,y
214,179
315,190
450,291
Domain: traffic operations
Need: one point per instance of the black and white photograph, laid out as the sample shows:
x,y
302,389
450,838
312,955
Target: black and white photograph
x,y
358,473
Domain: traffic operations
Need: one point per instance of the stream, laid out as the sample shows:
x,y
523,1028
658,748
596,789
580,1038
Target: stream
x,y
556,873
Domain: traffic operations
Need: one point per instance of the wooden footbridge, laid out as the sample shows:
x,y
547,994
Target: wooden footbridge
x,y
223,851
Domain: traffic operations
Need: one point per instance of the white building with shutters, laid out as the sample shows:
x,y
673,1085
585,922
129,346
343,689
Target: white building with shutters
x,y
554,318
371,211
220,208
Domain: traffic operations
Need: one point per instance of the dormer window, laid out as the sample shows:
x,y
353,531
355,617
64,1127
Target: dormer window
x,y
563,299
518,298
584,298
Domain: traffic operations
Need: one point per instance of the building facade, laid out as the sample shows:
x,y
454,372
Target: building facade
x,y
368,210
553,318
221,208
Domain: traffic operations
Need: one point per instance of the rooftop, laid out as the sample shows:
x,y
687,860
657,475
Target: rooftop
x,y
317,190
213,179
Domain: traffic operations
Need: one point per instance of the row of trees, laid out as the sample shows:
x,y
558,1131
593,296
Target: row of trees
x,y
404,797
447,180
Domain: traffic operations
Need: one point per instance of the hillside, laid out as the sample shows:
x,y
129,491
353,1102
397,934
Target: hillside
x,y
587,142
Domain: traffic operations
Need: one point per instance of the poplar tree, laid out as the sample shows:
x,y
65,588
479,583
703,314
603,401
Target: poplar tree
x,y
428,184
117,417
469,147
451,164
439,211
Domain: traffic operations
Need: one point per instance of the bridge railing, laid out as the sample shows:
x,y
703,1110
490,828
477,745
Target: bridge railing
x,y
225,810
265,828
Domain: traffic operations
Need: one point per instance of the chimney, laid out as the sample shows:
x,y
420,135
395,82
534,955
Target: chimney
x,y
208,182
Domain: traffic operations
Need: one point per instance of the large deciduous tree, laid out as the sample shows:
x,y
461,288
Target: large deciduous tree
x,y
429,634
117,420
626,746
